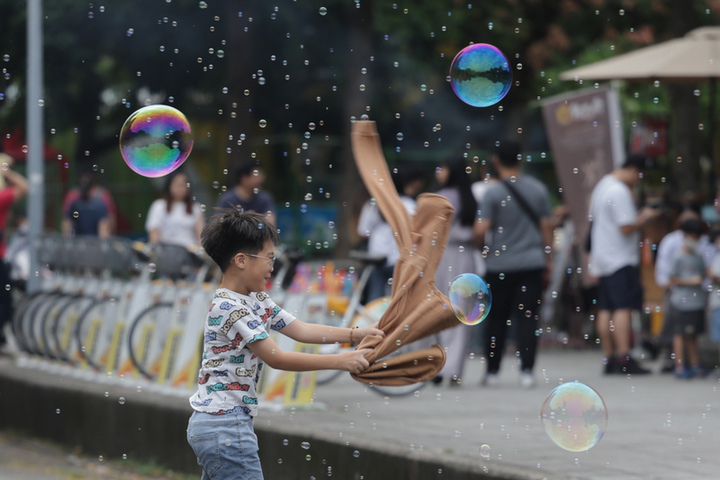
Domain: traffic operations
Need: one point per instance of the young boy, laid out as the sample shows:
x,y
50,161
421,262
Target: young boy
x,y
688,301
236,345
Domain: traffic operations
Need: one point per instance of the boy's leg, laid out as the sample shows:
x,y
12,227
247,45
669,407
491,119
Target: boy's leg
x,y
678,351
603,331
692,350
225,445
621,329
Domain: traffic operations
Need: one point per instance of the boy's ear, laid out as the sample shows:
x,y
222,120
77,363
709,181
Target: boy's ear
x,y
238,260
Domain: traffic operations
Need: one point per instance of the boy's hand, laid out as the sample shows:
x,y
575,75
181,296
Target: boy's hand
x,y
370,330
355,361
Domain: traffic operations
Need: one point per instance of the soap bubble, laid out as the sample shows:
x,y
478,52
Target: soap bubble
x,y
470,298
480,75
155,140
574,416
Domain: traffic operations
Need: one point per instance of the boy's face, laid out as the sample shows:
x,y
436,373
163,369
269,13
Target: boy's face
x,y
259,268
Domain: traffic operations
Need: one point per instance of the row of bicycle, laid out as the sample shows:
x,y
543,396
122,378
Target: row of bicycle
x,y
124,309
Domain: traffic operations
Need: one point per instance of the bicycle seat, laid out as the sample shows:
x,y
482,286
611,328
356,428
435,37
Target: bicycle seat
x,y
368,258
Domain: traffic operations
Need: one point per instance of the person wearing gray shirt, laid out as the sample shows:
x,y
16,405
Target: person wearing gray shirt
x,y
688,300
514,224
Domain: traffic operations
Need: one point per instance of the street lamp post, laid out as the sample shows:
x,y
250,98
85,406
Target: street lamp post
x,y
34,127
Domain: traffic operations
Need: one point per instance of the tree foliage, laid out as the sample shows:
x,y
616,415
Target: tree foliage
x,y
307,71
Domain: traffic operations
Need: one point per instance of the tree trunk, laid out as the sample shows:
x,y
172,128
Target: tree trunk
x,y
685,134
351,187
237,106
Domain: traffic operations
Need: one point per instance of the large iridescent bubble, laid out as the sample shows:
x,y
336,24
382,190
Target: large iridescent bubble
x,y
574,416
480,75
155,140
470,298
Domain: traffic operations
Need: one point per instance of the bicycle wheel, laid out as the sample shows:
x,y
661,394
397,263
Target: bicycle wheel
x,y
34,323
89,330
62,341
147,338
20,319
48,321
370,314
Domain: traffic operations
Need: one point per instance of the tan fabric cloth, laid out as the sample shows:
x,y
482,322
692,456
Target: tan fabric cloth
x,y
417,308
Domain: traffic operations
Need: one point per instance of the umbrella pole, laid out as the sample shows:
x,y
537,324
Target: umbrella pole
x,y
711,139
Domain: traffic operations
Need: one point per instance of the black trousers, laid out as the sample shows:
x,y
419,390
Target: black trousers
x,y
515,296
6,306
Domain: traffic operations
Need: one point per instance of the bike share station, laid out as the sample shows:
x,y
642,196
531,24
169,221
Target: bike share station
x,y
113,310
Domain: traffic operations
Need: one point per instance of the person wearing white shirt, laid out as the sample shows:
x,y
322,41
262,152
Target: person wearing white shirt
x,y
175,218
381,239
615,259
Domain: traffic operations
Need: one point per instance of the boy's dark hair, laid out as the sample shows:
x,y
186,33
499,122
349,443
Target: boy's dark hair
x,y
232,231
509,153
693,226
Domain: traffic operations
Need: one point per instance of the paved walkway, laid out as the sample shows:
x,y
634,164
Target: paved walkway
x,y
658,427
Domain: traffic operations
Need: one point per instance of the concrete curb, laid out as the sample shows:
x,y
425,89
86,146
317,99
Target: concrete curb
x,y
112,419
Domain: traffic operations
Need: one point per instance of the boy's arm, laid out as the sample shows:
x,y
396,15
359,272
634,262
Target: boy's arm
x,y
315,333
353,361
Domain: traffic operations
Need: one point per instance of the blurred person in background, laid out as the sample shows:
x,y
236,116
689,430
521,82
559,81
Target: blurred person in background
x,y
688,298
515,227
381,239
454,183
247,194
615,259
175,218
13,187
667,249
92,199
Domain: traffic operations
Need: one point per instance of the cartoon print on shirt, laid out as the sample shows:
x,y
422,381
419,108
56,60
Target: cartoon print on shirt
x,y
237,359
242,372
215,362
231,324
279,325
232,318
270,313
233,345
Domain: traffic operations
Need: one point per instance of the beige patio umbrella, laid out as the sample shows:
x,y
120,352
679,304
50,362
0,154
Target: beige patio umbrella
x,y
692,58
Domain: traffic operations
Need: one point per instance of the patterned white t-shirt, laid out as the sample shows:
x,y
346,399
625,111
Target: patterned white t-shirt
x,y
230,371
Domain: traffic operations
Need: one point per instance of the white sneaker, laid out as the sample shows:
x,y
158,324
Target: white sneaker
x,y
490,380
527,380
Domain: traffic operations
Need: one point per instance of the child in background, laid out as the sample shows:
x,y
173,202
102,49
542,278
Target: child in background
x,y
688,301
714,301
236,346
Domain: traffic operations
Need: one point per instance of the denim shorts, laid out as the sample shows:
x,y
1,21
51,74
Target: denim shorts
x,y
225,445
